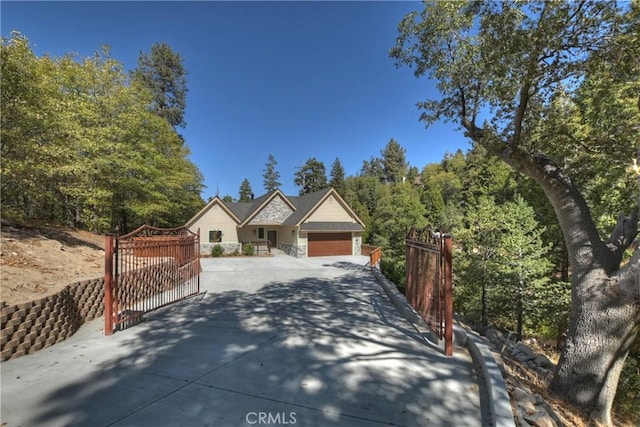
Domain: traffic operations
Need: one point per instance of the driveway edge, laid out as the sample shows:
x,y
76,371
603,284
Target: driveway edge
x,y
500,412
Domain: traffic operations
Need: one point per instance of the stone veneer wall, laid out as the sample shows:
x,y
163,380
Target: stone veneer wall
x,y
29,327
292,250
229,248
274,213
357,249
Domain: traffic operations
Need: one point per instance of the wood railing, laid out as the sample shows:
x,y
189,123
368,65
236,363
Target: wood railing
x,y
259,247
374,253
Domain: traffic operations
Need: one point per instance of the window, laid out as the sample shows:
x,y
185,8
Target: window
x,y
260,233
215,236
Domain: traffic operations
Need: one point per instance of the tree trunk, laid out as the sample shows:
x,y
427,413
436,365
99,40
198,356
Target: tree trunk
x,y
484,318
602,328
605,298
519,315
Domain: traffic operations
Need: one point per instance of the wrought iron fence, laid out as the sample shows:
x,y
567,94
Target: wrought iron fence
x,y
429,287
147,269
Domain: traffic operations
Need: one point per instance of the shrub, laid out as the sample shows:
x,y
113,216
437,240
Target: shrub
x,y
247,249
394,270
217,251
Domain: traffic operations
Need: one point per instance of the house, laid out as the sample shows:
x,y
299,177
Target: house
x,y
315,224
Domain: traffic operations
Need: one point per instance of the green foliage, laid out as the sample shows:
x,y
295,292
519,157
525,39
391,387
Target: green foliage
x,y
247,249
478,261
395,271
217,251
80,145
164,75
523,266
551,89
442,192
398,209
311,176
337,176
394,162
246,193
271,175
373,168
503,271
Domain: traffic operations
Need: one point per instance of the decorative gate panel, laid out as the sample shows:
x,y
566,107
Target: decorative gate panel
x,y
429,281
147,269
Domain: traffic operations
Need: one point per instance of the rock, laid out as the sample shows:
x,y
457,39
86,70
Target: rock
x,y
525,408
523,393
543,373
523,348
540,419
525,402
552,413
543,362
495,336
522,357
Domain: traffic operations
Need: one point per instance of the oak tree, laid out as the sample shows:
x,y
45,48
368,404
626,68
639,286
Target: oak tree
x,y
499,67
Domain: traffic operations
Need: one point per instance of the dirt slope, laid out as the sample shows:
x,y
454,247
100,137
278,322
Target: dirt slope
x,y
37,260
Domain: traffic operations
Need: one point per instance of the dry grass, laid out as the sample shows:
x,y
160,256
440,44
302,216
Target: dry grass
x,y
521,375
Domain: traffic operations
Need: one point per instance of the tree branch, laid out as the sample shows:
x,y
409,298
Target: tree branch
x,y
628,283
622,236
472,131
525,89
585,248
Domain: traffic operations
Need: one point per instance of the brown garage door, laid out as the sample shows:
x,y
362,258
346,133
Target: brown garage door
x,y
325,244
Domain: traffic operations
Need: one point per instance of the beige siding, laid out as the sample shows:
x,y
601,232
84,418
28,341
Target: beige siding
x,y
287,235
330,210
216,218
248,235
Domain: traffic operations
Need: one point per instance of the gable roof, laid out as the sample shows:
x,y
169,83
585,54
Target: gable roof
x,y
257,204
309,203
302,207
215,200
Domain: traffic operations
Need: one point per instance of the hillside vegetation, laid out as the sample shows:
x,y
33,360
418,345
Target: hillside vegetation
x,y
543,209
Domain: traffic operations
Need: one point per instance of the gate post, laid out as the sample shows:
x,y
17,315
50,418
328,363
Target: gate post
x,y
108,285
448,296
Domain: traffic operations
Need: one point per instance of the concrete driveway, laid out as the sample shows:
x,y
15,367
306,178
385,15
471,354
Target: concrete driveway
x,y
269,341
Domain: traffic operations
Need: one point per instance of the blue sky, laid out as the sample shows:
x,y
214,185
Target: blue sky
x,y
292,79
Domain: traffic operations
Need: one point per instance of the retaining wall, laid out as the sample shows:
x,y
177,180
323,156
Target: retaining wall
x,y
29,327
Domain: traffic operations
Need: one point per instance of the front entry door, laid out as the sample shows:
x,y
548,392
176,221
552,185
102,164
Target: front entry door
x,y
272,236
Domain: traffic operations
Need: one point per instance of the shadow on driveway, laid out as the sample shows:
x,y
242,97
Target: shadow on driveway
x,y
312,351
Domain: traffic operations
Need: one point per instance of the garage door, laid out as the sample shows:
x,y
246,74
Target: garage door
x,y
325,244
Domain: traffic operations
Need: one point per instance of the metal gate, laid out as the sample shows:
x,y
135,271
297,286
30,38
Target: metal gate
x,y
147,269
429,287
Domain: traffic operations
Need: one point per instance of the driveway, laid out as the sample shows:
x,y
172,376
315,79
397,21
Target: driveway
x,y
269,341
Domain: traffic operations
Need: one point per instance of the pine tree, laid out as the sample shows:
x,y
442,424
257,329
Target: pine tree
x,y
163,72
394,162
523,260
337,176
373,168
271,175
311,176
246,194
